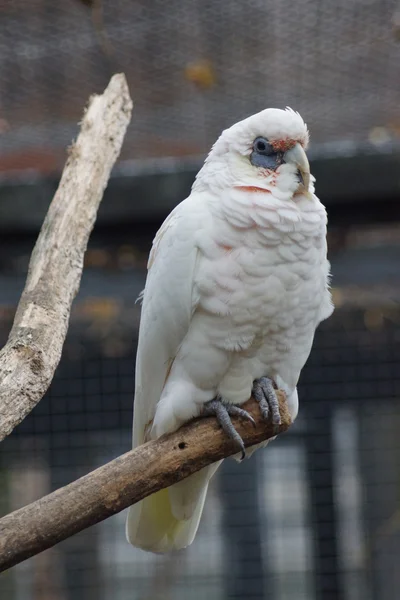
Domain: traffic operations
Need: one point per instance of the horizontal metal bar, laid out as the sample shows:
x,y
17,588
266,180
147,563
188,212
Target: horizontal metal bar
x,y
147,190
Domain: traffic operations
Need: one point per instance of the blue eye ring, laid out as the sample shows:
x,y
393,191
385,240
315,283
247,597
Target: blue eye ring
x,y
262,146
264,155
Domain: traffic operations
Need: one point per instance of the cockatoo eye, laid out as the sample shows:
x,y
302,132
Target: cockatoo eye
x,y
264,155
262,146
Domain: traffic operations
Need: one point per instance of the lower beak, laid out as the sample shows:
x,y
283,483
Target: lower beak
x,y
296,156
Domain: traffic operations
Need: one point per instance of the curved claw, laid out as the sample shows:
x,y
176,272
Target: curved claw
x,y
265,395
222,410
240,412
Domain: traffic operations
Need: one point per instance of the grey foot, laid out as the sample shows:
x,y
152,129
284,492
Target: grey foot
x,y
265,395
223,411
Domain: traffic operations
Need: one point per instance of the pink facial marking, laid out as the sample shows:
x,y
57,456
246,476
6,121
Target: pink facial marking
x,y
283,145
251,188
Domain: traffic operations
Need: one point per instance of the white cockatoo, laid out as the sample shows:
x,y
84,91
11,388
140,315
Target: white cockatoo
x,y
238,281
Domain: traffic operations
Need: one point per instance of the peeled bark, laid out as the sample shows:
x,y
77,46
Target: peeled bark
x,y
33,350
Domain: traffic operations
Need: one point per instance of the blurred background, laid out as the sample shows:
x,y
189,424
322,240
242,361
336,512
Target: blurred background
x,y
317,515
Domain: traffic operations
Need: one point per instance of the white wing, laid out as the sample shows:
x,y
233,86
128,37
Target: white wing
x,y
168,305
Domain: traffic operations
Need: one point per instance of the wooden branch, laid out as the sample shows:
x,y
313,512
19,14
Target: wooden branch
x,y
33,350
124,481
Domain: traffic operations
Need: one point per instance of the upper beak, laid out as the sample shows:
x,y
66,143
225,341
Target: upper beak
x,y
297,156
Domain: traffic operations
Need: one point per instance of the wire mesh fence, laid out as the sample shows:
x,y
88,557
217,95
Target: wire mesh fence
x,y
195,67
315,515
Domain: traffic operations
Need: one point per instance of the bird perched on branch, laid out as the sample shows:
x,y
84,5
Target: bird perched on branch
x,y
238,281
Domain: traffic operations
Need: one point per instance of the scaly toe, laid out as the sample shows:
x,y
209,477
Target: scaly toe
x,y
222,411
234,410
265,395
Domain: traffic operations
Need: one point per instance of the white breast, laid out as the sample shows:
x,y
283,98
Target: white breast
x,y
265,283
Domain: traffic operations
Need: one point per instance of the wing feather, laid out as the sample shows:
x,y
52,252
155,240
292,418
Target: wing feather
x,y
168,305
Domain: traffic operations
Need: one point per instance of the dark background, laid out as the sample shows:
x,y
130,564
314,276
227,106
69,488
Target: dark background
x,y
316,516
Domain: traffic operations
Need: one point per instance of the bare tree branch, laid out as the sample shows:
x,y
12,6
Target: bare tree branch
x,y
33,350
124,481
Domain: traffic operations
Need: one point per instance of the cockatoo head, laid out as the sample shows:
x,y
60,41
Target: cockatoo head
x,y
265,151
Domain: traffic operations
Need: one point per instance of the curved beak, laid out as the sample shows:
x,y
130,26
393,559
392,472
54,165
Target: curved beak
x,y
297,156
